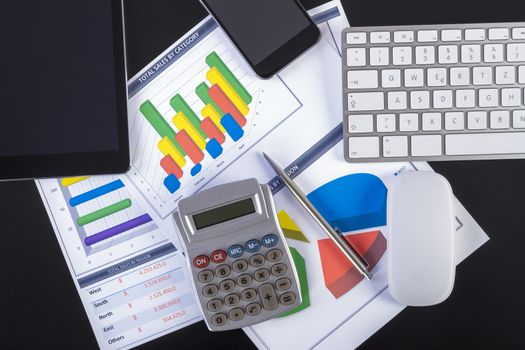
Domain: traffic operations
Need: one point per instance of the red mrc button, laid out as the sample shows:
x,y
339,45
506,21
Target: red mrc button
x,y
218,256
201,261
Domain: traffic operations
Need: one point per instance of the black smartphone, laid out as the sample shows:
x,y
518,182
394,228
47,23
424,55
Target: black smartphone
x,y
268,33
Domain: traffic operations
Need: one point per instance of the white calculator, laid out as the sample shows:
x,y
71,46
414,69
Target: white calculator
x,y
239,260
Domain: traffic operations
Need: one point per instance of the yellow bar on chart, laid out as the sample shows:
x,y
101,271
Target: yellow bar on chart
x,y
167,147
211,112
69,181
215,77
182,123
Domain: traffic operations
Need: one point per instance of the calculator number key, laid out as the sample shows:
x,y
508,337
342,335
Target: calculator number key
x,y
249,294
268,297
240,265
219,319
227,285
274,255
206,276
215,305
262,275
223,271
257,260
231,299
244,280
278,269
210,291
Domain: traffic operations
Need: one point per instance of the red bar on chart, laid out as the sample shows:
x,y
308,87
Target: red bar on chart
x,y
212,131
189,146
224,103
170,167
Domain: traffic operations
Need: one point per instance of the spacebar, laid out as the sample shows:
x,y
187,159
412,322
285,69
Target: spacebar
x,y
479,144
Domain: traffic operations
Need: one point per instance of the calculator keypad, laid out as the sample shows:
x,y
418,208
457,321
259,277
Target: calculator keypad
x,y
244,280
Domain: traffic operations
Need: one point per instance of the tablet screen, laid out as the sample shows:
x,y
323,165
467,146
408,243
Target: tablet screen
x,y
58,89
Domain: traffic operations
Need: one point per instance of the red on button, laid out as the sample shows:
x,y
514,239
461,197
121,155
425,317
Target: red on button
x,y
218,256
201,261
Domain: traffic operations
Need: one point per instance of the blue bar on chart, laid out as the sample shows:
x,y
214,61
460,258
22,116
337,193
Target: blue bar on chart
x,y
95,193
232,127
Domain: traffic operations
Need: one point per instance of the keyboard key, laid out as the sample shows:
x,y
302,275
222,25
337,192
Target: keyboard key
x,y
362,79
482,75
408,122
470,53
516,52
386,122
454,121
380,37
356,38
361,123
485,144
493,53
448,54
268,297
477,120
356,57
459,76
379,56
465,98
499,120
518,119
391,78
488,97
427,36
419,99
363,147
437,77
402,55
431,121
521,74
426,145
505,75
511,97
442,99
425,55
406,36
498,33
518,33
451,35
395,146
366,101
475,34
414,77
397,100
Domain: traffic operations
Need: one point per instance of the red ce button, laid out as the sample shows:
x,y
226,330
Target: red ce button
x,y
218,256
201,261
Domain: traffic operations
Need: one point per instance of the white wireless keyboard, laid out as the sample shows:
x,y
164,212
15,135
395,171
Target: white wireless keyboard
x,y
440,92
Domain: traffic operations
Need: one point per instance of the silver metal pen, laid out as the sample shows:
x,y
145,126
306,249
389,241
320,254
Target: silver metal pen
x,y
340,242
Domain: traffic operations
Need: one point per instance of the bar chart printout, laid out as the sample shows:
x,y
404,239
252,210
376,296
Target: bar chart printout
x,y
189,139
132,280
197,117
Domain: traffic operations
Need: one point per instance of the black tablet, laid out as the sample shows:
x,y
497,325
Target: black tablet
x,y
63,100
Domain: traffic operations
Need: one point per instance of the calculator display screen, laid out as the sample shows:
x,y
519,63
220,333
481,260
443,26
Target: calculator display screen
x,y
225,213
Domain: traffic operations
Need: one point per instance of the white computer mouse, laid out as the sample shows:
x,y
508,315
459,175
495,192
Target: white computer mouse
x,y
421,229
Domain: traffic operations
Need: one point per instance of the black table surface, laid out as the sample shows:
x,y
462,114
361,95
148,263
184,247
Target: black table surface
x,y
41,307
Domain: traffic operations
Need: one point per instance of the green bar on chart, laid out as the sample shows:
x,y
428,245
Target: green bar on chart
x,y
102,213
179,105
213,60
202,92
158,122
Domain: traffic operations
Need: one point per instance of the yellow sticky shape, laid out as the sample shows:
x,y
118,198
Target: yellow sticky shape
x,y
210,112
167,147
69,181
182,123
290,228
215,77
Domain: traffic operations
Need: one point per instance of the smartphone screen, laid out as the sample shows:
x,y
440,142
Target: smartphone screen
x,y
260,28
